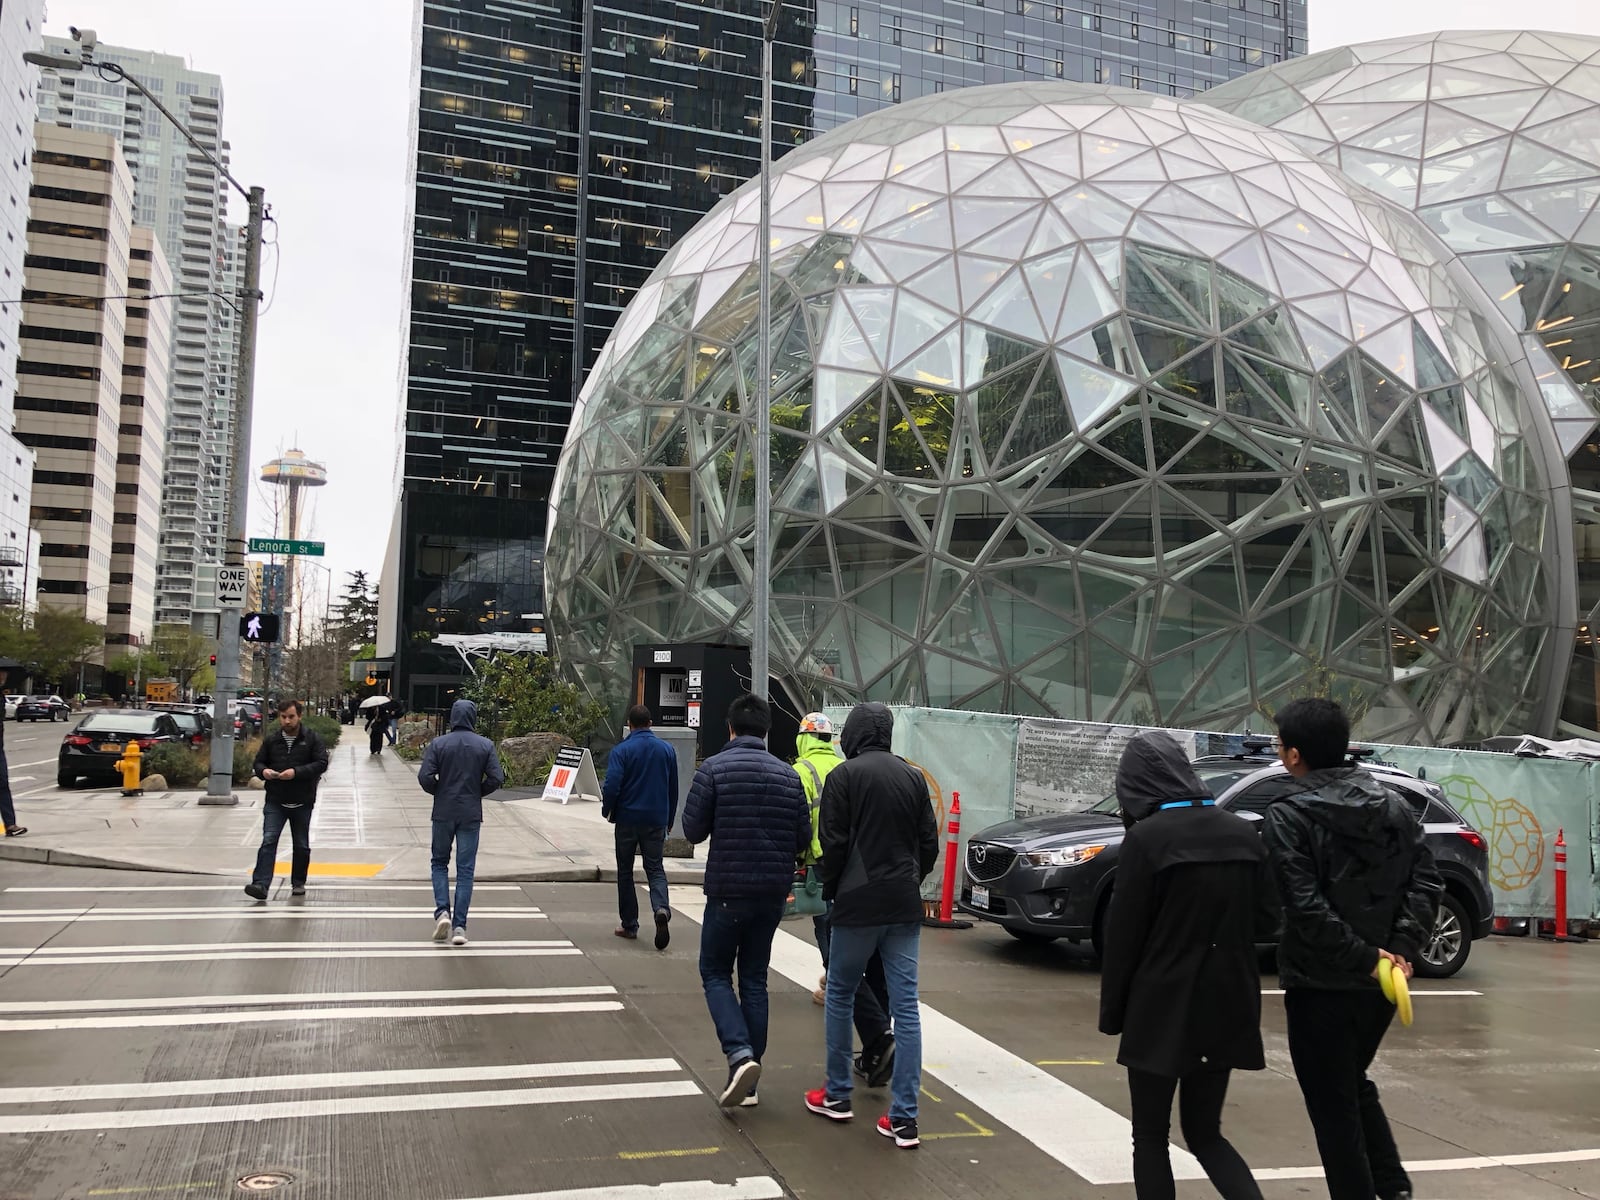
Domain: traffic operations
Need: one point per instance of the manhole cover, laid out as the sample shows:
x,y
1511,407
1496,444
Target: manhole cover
x,y
264,1181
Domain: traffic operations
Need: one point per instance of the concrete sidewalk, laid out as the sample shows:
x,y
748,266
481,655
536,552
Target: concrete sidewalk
x,y
372,821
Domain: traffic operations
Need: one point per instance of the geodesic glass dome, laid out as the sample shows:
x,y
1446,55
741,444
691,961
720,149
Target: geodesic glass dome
x,y
1085,403
1493,138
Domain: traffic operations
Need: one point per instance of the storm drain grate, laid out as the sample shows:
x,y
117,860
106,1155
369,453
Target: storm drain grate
x,y
264,1181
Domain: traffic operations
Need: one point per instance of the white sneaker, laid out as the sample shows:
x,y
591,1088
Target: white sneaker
x,y
458,938
441,927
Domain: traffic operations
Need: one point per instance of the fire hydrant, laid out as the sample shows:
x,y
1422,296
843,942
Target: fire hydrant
x,y
128,764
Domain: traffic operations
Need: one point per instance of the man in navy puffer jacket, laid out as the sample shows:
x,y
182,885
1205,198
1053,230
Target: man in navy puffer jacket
x,y
750,804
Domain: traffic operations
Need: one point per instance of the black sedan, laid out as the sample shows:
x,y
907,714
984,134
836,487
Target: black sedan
x,y
1050,877
42,708
99,740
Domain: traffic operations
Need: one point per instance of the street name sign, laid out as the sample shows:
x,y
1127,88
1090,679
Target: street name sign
x,y
286,546
231,586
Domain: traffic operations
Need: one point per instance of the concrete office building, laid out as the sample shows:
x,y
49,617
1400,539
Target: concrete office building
x,y
69,371
142,439
183,199
20,31
559,154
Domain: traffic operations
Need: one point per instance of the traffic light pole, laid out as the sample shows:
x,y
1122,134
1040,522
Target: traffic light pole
x,y
219,784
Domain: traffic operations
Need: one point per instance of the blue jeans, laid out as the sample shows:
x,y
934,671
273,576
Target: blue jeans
x,y
851,948
465,836
739,932
647,841
273,818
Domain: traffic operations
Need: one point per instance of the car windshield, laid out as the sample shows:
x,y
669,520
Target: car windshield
x,y
120,723
1219,777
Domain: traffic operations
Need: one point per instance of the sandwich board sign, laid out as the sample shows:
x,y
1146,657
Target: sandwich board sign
x,y
572,776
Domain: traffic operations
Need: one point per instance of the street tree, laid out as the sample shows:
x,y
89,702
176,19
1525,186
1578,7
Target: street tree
x,y
63,641
357,613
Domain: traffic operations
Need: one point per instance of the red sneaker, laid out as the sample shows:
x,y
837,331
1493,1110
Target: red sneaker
x,y
834,1110
903,1131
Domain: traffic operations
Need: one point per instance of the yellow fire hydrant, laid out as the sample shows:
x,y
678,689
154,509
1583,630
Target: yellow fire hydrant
x,y
128,764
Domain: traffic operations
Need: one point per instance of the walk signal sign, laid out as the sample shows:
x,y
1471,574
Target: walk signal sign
x,y
259,627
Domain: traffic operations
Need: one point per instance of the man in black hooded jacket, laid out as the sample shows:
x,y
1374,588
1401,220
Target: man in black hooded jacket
x,y
1358,884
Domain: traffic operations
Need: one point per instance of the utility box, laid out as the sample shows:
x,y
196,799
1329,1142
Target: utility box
x,y
682,740
690,685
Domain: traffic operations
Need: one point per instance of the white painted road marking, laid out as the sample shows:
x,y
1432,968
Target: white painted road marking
x,y
258,999
753,1187
1083,1135
431,1011
103,915
415,945
333,1079
440,952
317,885
1476,1163
343,1106
1415,992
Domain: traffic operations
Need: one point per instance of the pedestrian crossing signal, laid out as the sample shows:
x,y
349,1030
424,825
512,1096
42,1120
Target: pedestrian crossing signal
x,y
259,627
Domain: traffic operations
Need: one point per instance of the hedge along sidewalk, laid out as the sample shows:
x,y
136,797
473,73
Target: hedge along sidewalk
x,y
373,821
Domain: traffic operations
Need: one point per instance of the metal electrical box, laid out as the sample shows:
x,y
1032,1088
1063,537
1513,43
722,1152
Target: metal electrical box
x,y
691,684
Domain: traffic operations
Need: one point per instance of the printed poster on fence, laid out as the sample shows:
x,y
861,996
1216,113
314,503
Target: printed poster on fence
x,y
1070,766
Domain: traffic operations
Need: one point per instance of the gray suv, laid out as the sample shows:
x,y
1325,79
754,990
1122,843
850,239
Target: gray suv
x,y
1049,877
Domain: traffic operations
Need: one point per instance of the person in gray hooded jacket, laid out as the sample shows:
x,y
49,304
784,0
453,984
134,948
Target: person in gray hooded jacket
x,y
458,770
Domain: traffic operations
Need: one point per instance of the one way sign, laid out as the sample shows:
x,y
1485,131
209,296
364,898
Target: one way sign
x,y
231,586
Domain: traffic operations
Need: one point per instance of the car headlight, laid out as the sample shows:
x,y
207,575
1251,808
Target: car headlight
x,y
1067,856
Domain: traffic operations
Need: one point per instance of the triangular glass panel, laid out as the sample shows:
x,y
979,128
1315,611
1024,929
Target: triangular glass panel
x,y
1382,396
1089,299
1339,397
1043,424
996,405
1272,334
862,430
1194,379
1159,347
918,430
1091,390
1245,395
1469,481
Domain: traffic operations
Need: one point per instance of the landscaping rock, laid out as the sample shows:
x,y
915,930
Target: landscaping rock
x,y
414,735
256,785
154,783
523,756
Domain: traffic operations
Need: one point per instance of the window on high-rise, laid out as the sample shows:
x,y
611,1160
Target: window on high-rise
x,y
855,22
977,46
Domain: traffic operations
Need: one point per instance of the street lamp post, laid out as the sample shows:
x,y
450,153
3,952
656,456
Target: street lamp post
x,y
761,548
219,784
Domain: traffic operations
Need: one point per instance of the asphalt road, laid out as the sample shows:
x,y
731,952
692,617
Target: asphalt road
x,y
31,750
164,1037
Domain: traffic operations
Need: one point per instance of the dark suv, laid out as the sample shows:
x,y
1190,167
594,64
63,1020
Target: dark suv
x,y
1050,877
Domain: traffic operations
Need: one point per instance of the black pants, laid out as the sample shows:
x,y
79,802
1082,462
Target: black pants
x,y
1333,1036
1200,1098
647,841
872,997
375,737
273,818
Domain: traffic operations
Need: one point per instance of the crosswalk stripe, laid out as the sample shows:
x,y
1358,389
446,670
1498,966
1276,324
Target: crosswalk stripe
x,y
258,999
343,1106
189,1019
753,1187
442,954
242,910
98,916
418,945
317,885
142,1090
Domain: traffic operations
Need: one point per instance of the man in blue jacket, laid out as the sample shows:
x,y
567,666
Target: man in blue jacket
x,y
640,797
750,804
458,770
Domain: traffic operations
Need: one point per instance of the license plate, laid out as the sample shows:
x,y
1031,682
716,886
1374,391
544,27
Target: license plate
x,y
111,747
980,897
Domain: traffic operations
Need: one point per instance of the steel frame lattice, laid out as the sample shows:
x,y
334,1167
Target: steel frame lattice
x,y
1085,403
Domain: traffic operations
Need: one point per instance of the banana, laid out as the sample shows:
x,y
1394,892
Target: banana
x,y
1402,996
1386,980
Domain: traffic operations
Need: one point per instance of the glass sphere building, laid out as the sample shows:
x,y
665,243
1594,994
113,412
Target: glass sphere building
x,y
1086,403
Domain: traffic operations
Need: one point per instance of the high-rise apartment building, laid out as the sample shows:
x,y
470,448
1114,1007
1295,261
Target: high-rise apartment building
x,y
560,151
20,31
141,445
183,198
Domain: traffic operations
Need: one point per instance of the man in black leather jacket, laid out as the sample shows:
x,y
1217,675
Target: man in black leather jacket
x,y
291,761
1358,884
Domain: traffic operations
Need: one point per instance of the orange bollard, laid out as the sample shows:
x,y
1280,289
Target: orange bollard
x,y
952,853
1559,931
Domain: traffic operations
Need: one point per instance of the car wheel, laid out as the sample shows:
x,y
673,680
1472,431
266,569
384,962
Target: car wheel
x,y
1445,952
1028,937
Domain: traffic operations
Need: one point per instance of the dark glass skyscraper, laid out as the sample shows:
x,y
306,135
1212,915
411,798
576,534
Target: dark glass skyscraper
x,y
559,152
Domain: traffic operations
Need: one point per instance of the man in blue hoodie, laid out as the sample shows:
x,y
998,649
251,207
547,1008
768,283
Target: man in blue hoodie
x,y
640,797
458,770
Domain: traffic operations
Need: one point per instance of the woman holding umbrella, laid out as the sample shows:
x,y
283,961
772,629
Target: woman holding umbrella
x,y
377,710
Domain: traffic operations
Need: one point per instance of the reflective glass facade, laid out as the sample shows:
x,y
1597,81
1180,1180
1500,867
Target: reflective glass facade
x,y
562,150
1087,403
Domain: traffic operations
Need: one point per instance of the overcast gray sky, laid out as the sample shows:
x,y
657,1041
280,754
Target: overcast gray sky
x,y
317,109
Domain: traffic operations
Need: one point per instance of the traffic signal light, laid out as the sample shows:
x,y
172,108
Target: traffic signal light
x,y
259,627
213,660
